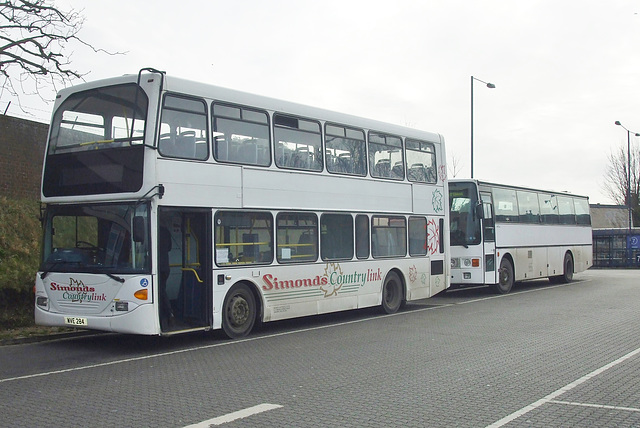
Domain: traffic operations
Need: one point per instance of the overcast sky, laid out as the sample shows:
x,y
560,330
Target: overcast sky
x,y
564,70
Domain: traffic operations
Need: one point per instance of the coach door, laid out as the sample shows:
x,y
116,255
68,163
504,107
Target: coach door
x,y
184,266
488,239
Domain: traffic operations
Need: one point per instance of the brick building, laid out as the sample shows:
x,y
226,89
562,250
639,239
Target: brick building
x,y
22,144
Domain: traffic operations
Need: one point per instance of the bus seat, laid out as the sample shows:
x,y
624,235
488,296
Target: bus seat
x,y
383,168
186,145
398,170
416,172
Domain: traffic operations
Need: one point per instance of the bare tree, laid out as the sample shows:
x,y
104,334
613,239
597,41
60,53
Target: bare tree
x,y
454,166
33,46
616,181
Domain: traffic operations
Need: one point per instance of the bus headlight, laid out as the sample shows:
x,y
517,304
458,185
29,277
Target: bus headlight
x,y
455,263
43,302
466,262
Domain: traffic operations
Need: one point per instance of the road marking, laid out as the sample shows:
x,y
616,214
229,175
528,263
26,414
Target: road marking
x,y
250,339
598,406
240,414
551,397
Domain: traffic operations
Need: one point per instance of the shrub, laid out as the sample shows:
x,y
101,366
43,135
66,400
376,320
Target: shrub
x,y
20,232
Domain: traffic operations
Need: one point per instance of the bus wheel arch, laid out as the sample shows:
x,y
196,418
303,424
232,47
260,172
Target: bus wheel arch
x,y
506,275
393,292
241,310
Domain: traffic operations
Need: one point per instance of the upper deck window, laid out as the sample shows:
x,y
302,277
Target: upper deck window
x,y
100,118
345,150
96,142
421,161
241,135
385,156
298,143
183,131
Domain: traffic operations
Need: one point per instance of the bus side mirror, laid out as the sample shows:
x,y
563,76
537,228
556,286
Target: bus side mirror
x,y
138,229
479,211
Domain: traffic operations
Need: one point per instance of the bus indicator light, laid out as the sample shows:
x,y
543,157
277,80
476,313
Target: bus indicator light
x,y
141,294
475,262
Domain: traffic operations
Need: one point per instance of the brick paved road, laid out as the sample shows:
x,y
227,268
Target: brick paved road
x,y
542,356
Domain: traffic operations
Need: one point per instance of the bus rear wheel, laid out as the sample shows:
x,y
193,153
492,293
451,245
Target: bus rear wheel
x,y
392,295
567,274
238,312
505,277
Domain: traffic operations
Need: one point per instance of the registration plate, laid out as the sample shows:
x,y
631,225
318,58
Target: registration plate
x,y
78,321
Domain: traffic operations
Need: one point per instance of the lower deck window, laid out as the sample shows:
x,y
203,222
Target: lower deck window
x,y
243,238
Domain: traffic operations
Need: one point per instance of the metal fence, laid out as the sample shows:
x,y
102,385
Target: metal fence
x,y
616,247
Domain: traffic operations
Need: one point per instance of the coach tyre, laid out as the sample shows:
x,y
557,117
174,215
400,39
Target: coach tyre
x,y
567,275
505,277
392,294
239,311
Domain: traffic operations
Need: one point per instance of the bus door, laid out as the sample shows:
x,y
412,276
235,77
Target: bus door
x,y
184,269
488,239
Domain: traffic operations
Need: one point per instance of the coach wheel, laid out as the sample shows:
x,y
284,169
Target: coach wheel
x,y
238,312
392,294
505,277
567,275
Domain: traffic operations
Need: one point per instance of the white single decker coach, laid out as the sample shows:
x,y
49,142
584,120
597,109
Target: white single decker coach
x,y
501,234
174,206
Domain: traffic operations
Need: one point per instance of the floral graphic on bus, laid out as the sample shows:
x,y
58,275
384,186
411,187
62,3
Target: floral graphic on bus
x,y
331,287
437,201
442,172
413,274
433,236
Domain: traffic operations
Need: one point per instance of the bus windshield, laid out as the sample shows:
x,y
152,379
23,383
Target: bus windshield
x,y
108,117
465,226
97,238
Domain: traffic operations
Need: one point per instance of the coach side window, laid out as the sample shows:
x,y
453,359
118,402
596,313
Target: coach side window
x,y
385,156
505,205
548,208
566,210
298,143
241,135
345,151
582,211
183,128
528,207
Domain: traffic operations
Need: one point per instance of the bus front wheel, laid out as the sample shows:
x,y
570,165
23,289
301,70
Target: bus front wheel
x,y
238,312
505,277
392,295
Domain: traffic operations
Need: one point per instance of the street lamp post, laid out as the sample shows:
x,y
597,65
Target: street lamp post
x,y
490,86
628,171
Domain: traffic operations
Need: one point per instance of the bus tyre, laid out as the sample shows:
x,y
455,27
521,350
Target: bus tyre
x,y
505,277
392,293
239,311
567,275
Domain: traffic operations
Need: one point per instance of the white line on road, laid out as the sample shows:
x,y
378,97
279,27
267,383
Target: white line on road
x,y
598,406
551,397
240,414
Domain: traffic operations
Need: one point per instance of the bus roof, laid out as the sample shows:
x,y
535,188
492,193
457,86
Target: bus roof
x,y
217,93
508,186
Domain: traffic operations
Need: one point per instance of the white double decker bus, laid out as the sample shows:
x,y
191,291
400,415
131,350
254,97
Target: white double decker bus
x,y
501,234
174,206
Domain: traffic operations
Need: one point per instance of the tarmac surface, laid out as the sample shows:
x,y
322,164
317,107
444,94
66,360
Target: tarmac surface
x,y
543,356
